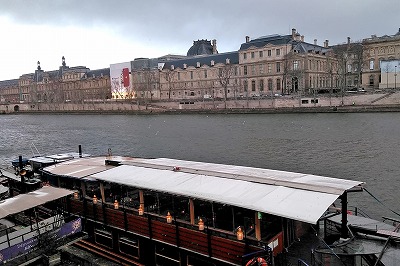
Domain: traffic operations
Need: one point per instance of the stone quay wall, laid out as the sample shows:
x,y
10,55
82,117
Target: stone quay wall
x,y
389,101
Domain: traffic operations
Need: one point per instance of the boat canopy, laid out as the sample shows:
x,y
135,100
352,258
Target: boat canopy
x,y
79,168
297,196
32,199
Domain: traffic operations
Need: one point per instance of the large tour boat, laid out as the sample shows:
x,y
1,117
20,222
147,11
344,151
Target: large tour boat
x,y
138,211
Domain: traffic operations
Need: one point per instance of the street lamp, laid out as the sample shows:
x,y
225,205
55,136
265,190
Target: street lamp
x,y
395,75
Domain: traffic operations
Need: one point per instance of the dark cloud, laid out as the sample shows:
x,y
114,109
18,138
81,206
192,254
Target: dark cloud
x,y
177,23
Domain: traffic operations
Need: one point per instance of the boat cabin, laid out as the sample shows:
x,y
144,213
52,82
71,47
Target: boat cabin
x,y
174,212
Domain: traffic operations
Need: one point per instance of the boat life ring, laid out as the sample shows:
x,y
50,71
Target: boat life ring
x,y
257,261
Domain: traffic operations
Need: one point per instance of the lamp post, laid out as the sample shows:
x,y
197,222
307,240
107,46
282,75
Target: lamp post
x,y
395,76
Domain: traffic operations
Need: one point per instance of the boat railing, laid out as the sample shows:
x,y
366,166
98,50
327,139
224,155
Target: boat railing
x,y
16,234
213,231
357,211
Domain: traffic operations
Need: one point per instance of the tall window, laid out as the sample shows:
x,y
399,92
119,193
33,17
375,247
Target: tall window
x,y
261,69
179,76
245,85
270,84
269,52
278,52
278,67
371,64
269,68
261,54
245,70
252,54
253,69
261,85
295,65
244,56
191,74
278,84
253,85
205,73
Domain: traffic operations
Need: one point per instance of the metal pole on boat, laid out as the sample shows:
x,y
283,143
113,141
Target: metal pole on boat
x,y
20,169
344,233
80,151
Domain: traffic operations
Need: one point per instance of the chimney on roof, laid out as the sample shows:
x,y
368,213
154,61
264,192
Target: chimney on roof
x,y
315,41
247,38
348,40
214,46
326,43
293,34
302,38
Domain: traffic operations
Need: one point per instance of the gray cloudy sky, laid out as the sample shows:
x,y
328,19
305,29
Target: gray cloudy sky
x,y
97,33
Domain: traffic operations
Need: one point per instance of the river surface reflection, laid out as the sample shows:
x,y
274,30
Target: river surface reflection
x,y
363,147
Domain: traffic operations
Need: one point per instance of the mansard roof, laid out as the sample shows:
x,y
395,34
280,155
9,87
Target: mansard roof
x,y
98,73
275,39
204,60
303,47
200,47
8,83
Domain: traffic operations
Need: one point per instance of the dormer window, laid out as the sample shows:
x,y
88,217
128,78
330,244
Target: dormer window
x,y
198,64
212,63
172,67
184,66
227,61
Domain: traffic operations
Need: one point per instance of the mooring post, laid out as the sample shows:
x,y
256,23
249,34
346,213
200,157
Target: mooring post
x,y
80,151
344,233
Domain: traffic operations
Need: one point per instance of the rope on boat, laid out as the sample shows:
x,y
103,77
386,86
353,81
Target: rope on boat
x,y
381,202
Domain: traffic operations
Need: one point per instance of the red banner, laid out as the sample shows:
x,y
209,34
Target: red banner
x,y
125,75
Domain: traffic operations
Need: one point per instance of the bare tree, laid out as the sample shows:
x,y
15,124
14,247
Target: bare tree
x,y
145,82
225,74
169,77
117,88
293,74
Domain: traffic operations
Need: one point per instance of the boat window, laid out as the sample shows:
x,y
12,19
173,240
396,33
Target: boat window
x,y
92,188
245,219
130,197
68,183
270,226
159,203
223,216
181,207
203,210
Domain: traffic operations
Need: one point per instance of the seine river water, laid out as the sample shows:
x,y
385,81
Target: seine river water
x,y
363,147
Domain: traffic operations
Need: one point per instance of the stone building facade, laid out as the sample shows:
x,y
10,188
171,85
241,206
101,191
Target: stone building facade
x,y
267,66
67,84
375,51
350,64
263,67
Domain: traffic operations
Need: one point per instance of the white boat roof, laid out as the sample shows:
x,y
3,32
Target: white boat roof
x,y
297,196
32,199
79,168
